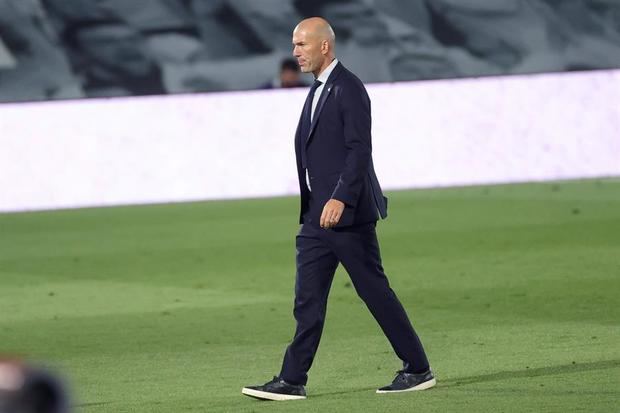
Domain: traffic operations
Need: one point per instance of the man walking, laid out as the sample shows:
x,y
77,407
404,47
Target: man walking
x,y
341,200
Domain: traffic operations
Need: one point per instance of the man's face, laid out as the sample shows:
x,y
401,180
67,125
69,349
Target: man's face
x,y
117,47
307,50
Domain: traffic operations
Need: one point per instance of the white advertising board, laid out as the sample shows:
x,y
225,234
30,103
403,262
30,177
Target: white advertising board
x,y
234,145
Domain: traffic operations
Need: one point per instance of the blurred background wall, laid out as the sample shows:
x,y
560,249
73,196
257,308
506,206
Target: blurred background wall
x,y
55,49
548,109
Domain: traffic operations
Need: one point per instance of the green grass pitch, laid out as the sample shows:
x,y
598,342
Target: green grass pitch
x,y
514,290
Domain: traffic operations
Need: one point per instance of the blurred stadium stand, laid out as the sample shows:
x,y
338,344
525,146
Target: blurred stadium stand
x,y
58,49
496,123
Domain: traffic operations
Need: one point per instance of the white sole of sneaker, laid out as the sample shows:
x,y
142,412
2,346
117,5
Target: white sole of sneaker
x,y
422,386
269,396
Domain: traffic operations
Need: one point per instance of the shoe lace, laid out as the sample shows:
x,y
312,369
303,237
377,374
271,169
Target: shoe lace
x,y
400,376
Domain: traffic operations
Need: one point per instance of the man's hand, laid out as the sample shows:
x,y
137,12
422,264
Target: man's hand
x,y
332,211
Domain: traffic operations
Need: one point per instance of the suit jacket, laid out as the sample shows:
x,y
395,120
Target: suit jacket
x,y
339,154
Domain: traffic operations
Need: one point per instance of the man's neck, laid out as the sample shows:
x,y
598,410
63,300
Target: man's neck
x,y
324,66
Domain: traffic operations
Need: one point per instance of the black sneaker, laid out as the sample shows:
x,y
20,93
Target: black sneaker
x,y
276,389
410,382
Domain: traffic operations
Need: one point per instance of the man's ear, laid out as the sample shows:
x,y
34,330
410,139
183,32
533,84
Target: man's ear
x,y
325,47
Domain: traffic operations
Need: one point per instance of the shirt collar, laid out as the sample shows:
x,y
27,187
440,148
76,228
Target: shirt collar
x,y
328,71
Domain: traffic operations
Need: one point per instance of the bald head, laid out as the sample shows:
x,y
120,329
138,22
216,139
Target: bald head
x,y
314,45
318,27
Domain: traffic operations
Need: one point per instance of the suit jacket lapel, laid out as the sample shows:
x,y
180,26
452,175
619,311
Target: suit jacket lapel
x,y
327,89
319,108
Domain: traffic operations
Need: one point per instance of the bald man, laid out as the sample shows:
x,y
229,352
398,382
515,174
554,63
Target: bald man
x,y
341,201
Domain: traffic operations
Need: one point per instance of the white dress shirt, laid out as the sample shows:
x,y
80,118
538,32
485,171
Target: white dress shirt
x,y
323,76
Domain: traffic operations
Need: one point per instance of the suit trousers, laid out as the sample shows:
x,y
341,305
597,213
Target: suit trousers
x,y
319,251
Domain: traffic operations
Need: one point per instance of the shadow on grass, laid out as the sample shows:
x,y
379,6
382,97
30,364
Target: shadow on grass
x,y
94,404
529,373
507,375
467,380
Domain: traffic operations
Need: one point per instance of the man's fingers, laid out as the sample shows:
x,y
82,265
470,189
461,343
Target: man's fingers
x,y
337,216
326,217
334,217
330,216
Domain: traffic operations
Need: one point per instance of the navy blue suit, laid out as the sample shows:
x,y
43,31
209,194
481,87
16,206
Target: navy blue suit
x,y
336,150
